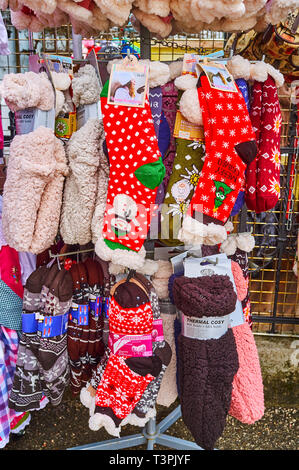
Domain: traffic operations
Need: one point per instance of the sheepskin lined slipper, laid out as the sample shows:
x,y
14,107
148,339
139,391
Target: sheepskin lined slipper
x,y
86,86
80,192
35,172
27,90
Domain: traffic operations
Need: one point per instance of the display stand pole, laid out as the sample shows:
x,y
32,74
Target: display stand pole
x,y
151,435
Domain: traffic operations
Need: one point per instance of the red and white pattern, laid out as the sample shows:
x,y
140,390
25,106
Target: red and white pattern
x,y
263,175
132,321
131,143
120,388
226,123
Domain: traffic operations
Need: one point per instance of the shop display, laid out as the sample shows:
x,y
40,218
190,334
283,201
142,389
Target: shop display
x,y
121,267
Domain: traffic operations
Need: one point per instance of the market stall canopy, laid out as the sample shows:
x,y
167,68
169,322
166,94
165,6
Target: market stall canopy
x,y
162,17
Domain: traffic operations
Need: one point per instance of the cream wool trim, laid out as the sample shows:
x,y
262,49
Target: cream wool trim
x,y
195,233
98,421
134,420
244,241
149,268
131,259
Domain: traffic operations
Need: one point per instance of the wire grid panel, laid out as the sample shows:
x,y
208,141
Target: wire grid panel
x,y
269,295
273,284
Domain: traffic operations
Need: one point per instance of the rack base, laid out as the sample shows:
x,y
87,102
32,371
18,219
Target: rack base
x,y
151,435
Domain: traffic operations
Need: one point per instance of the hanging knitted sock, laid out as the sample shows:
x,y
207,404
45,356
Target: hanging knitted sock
x,y
52,352
24,397
136,170
230,146
77,332
206,366
237,246
145,408
243,87
187,165
169,107
95,348
155,101
263,182
125,378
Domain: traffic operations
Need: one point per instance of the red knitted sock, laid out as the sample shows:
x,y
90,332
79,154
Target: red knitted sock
x,y
230,146
263,176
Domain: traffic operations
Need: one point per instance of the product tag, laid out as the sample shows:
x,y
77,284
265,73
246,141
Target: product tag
x,y
88,111
204,327
187,130
79,313
215,264
157,332
27,120
128,84
219,77
95,304
131,345
105,306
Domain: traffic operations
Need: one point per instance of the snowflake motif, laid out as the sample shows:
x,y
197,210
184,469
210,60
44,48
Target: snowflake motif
x,y
220,94
218,154
225,145
225,119
228,158
211,176
274,187
136,320
236,119
229,106
232,132
219,106
244,130
208,95
213,143
240,106
277,124
205,198
276,157
220,131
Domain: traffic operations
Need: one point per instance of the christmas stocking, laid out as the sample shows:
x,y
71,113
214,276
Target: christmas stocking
x,y
131,365
187,165
136,170
230,146
145,408
263,175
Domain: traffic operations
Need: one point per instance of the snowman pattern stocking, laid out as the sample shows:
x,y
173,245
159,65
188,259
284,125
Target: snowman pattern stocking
x,y
136,171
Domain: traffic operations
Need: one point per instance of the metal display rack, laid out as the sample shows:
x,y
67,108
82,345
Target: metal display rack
x,y
152,434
